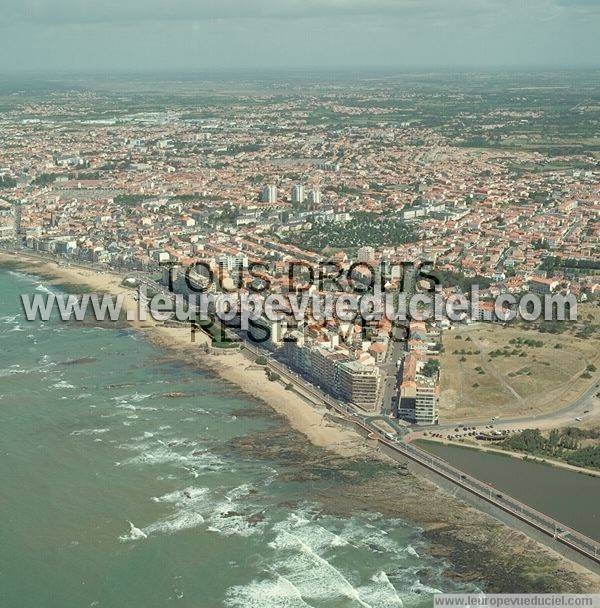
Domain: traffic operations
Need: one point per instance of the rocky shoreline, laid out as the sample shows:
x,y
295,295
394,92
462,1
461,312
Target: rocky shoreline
x,y
475,546
351,477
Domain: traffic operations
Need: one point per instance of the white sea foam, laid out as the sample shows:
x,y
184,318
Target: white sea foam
x,y
30,278
278,593
90,432
375,539
200,410
315,536
380,593
13,369
189,505
163,454
418,587
195,506
125,402
314,576
135,397
43,368
306,549
136,408
225,524
239,492
181,520
63,384
169,477
134,534
41,287
181,497
146,435
9,319
411,551
267,481
52,290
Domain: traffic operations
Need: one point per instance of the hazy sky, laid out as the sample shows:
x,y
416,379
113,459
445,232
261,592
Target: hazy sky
x,y
200,34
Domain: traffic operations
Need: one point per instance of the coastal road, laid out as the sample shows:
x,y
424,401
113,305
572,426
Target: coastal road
x,y
562,417
394,446
399,450
550,527
319,397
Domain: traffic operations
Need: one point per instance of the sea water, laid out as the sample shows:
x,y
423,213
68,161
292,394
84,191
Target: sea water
x,y
117,490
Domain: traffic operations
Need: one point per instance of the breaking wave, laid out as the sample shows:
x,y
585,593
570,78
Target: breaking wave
x,y
134,533
326,561
89,432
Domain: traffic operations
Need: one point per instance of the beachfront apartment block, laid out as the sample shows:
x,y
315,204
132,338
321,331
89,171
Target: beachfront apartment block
x,y
336,372
419,403
358,384
419,393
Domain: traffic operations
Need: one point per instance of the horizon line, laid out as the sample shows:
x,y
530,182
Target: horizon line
x,y
464,68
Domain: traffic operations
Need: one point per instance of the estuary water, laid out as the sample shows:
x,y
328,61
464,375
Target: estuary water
x,y
117,488
567,496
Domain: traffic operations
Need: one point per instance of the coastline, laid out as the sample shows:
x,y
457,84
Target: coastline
x,y
232,367
446,521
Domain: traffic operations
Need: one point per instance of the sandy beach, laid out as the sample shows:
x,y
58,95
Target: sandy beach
x,y
233,366
449,523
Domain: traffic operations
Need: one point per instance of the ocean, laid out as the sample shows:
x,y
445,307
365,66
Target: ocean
x,y
119,487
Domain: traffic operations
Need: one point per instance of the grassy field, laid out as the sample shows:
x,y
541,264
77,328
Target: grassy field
x,y
488,370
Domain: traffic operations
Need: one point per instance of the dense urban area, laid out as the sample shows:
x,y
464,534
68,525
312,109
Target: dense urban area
x,y
491,179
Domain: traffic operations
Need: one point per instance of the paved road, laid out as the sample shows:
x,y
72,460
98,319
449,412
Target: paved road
x,y
395,446
399,426
550,527
540,521
562,417
391,373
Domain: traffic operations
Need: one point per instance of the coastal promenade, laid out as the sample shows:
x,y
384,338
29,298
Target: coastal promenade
x,y
552,528
399,449
393,446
